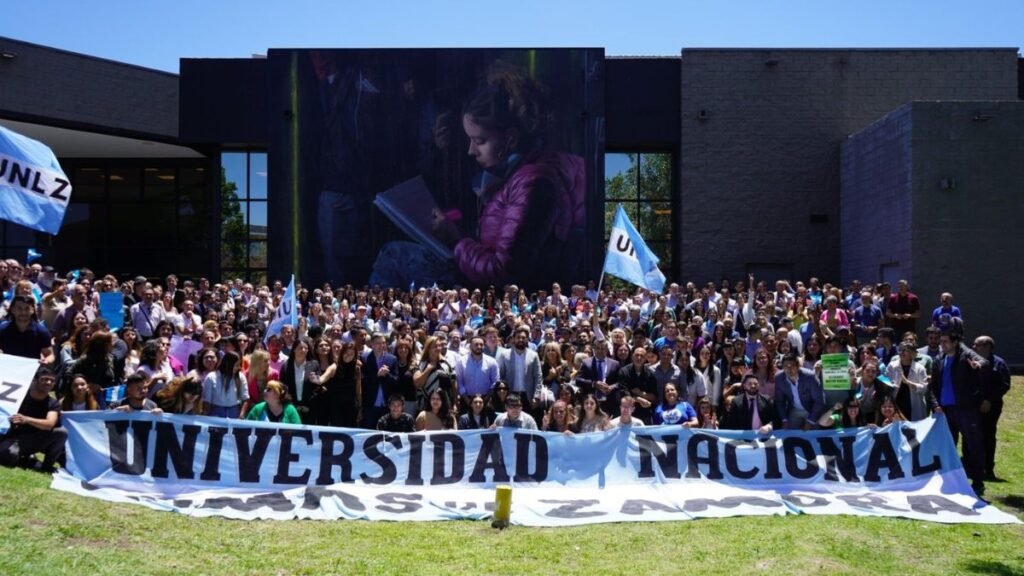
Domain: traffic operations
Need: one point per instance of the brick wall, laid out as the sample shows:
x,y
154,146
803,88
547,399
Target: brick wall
x,y
764,157
968,239
876,200
55,85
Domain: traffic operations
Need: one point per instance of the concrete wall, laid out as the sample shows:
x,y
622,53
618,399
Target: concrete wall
x,y
876,201
968,239
759,169
53,86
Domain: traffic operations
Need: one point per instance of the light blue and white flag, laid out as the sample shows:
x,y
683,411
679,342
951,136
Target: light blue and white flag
x,y
286,312
629,257
31,256
113,395
34,191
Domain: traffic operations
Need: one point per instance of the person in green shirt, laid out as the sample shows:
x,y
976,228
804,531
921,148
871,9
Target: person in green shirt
x,y
276,406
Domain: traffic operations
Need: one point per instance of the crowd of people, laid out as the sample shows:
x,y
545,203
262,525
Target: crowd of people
x,y
729,355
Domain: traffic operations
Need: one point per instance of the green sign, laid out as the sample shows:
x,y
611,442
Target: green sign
x,y
835,373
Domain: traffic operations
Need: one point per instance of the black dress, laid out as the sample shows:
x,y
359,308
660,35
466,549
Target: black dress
x,y
341,395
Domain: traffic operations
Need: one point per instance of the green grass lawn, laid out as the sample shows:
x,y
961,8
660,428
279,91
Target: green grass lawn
x,y
48,532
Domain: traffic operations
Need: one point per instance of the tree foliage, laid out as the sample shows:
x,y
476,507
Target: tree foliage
x,y
234,232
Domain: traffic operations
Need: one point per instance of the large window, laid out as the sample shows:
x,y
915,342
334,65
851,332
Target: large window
x,y
129,217
243,252
642,183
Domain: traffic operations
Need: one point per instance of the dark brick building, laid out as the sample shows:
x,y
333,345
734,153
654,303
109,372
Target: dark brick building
x,y
867,164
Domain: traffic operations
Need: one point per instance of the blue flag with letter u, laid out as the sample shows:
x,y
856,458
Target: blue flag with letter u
x,y
285,314
629,257
34,191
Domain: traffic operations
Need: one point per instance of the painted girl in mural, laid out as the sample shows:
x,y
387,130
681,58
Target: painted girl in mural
x,y
531,200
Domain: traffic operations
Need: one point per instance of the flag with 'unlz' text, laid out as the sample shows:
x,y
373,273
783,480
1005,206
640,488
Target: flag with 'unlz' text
x,y
34,191
629,257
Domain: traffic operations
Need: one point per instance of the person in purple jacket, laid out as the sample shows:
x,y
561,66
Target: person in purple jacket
x,y
531,225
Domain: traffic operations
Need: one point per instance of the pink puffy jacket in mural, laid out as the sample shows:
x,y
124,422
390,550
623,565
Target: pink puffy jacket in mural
x,y
531,224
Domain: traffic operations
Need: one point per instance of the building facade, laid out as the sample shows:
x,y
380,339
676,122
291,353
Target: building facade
x,y
842,164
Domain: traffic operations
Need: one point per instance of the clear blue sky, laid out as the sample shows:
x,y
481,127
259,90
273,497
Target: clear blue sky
x,y
157,34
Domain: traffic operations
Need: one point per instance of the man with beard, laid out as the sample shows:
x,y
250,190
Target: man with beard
x,y
519,365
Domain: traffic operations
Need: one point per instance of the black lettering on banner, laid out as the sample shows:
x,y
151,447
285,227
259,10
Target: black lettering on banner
x,y
624,245
388,472
917,469
668,459
181,454
638,507
732,461
314,494
35,184
571,509
702,504
7,393
58,192
540,472
771,459
694,460
329,459
838,461
491,458
805,500
415,476
398,503
117,436
20,174
251,459
276,501
932,504
868,502
883,455
286,456
790,446
442,456
214,444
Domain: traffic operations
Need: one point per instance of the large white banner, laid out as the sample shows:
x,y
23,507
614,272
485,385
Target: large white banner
x,y
248,470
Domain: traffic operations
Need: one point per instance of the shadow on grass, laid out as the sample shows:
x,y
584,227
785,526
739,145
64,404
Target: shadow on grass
x,y
1011,501
991,568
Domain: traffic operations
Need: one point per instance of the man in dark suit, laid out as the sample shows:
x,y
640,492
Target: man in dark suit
x,y
956,387
599,376
636,379
750,410
799,398
380,378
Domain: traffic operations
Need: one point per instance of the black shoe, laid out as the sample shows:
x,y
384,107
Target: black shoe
x,y
979,490
991,477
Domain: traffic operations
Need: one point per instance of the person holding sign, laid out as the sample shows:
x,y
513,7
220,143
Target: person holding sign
x,y
34,428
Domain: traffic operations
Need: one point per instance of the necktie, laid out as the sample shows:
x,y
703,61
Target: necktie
x,y
600,370
755,418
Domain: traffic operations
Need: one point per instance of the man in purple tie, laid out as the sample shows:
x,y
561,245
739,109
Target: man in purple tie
x,y
750,410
